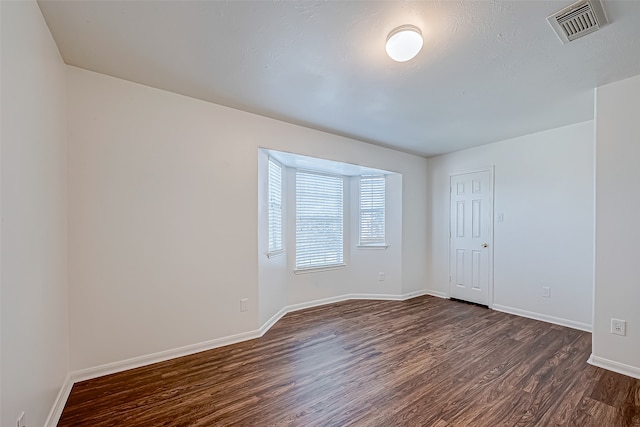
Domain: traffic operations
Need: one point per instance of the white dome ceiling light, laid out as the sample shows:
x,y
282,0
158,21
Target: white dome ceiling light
x,y
404,43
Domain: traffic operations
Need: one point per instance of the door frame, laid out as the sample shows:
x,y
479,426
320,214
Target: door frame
x,y
491,170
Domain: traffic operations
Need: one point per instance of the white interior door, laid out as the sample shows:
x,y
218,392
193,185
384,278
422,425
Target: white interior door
x,y
471,238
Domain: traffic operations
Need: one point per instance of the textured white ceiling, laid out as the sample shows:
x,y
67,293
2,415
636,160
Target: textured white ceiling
x,y
489,70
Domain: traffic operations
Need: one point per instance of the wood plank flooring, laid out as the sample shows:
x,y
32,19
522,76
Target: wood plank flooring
x,y
422,362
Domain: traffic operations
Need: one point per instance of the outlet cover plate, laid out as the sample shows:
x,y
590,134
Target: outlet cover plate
x,y
618,327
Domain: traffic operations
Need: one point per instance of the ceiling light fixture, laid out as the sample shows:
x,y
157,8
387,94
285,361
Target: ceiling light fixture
x,y
404,43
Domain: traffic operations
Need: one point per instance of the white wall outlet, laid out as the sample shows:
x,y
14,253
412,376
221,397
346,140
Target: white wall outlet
x,y
381,277
618,327
546,291
500,217
244,304
20,421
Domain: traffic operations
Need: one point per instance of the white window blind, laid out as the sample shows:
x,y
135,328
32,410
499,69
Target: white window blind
x,y
372,200
275,206
319,220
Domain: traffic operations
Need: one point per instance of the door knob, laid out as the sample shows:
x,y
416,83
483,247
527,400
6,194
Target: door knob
x,y
485,245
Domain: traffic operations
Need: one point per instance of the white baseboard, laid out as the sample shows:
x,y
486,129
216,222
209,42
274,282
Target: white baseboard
x,y
137,362
272,321
543,317
161,356
340,298
316,303
437,294
414,294
621,368
387,297
58,405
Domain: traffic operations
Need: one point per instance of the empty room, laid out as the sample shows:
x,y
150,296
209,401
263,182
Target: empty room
x,y
319,213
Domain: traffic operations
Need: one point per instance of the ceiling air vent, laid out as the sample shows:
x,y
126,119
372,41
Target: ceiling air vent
x,y
578,20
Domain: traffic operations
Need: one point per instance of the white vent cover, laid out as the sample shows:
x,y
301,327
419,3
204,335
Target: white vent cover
x,y
578,20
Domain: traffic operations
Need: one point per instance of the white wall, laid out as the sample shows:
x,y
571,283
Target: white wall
x,y
366,263
34,361
414,236
321,284
272,272
360,274
163,215
617,286
280,287
544,188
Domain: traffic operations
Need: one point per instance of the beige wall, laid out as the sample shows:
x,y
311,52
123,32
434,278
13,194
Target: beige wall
x,y
163,214
278,284
164,220
617,287
33,310
544,190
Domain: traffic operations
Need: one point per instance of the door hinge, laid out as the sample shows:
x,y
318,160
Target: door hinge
x,y
449,279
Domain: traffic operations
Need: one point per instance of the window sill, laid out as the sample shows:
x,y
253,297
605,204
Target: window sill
x,y
318,269
274,254
379,247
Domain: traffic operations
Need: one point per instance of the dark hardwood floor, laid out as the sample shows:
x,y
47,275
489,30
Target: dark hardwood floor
x,y
422,362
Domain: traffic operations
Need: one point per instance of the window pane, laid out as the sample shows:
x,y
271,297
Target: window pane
x,y
319,220
372,201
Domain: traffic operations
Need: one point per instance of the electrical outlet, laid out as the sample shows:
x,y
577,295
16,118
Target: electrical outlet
x,y
546,292
618,327
20,421
381,277
244,304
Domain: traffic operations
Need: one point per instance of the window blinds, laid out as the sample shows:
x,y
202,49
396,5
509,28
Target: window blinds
x,y
372,200
319,220
275,206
